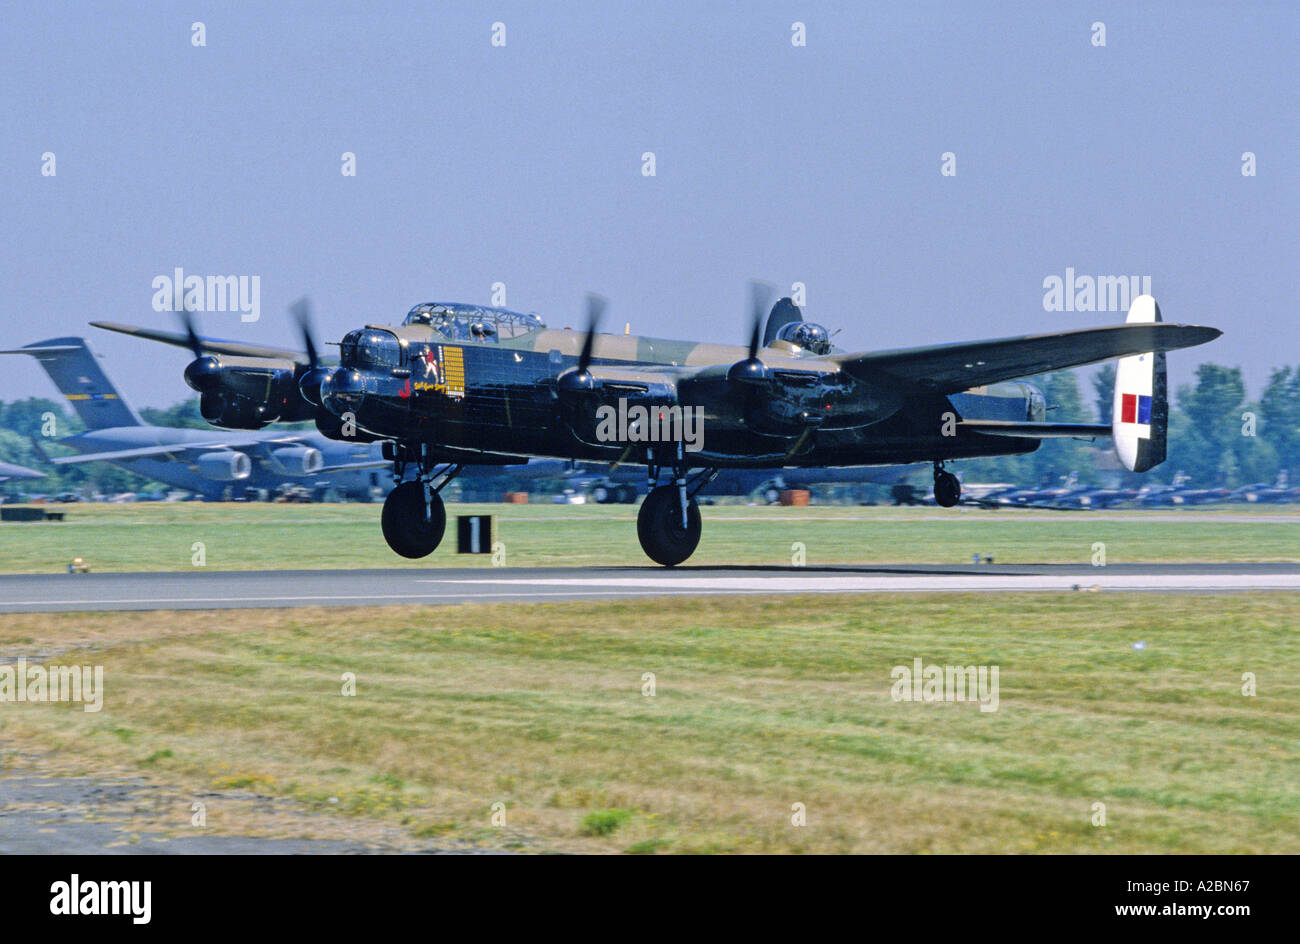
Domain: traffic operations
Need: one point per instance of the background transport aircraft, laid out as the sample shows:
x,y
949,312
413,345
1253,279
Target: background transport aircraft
x,y
13,473
459,385
208,462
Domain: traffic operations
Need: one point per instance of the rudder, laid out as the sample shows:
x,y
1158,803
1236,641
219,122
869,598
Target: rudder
x,y
73,367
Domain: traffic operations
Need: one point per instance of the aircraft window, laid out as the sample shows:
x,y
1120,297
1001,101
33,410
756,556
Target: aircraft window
x,y
811,337
473,322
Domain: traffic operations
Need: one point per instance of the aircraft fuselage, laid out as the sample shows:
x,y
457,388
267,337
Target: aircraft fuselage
x,y
502,399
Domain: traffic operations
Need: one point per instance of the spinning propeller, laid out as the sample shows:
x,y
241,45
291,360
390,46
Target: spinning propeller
x,y
204,372
752,370
310,381
579,378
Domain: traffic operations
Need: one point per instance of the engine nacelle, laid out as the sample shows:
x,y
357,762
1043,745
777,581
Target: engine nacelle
x,y
297,460
240,396
234,412
224,466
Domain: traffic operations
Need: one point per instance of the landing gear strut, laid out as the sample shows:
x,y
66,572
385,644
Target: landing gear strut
x,y
414,518
947,487
668,523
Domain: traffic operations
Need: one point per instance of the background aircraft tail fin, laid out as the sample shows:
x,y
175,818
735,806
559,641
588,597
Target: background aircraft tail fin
x,y
1140,417
73,367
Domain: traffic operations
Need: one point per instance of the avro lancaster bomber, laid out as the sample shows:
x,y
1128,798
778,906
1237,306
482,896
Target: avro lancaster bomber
x,y
457,385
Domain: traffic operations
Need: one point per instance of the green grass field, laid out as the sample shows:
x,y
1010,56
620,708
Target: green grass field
x,y
759,704
241,536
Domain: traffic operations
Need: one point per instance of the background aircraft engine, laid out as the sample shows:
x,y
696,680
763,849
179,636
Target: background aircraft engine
x,y
297,460
224,466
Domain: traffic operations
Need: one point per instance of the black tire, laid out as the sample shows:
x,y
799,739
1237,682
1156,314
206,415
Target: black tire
x,y
659,527
413,528
947,489
627,495
771,494
600,494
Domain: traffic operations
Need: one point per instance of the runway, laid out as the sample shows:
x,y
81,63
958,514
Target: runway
x,y
202,590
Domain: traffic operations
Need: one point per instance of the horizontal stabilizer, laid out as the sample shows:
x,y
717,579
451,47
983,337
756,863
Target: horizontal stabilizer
x,y
8,471
44,349
1036,430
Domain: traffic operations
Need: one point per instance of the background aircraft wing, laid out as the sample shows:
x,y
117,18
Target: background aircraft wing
x,y
144,452
359,464
951,368
210,345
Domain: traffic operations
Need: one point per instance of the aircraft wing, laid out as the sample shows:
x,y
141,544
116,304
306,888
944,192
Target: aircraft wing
x,y
144,452
359,464
951,368
210,345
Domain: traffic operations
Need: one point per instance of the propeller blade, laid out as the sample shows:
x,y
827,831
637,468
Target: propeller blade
x,y
760,294
301,310
595,309
752,370
192,338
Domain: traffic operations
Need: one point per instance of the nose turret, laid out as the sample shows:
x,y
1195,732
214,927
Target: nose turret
x,y
342,391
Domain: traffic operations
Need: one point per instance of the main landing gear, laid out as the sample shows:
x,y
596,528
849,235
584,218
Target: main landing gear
x,y
947,487
668,523
414,517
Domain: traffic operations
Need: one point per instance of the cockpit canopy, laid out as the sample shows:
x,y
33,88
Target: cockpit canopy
x,y
473,322
813,338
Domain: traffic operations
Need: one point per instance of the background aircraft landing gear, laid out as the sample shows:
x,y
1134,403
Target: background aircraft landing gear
x,y
413,525
947,487
659,526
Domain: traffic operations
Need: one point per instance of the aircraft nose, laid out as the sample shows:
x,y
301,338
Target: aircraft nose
x,y
342,391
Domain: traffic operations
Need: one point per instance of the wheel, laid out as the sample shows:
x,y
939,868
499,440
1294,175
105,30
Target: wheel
x,y
947,489
626,495
412,526
771,494
600,495
659,526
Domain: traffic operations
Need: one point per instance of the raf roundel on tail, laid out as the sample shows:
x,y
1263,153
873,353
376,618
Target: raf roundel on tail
x,y
1140,420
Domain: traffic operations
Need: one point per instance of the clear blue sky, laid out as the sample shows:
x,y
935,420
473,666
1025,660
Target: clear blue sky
x,y
523,165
